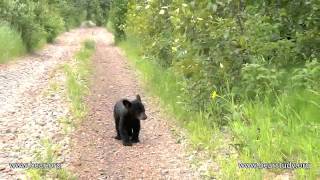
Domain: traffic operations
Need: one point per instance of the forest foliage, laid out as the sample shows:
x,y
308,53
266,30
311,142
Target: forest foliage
x,y
213,42
252,66
40,21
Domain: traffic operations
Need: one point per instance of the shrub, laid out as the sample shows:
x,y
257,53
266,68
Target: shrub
x,y
118,13
307,77
11,43
41,21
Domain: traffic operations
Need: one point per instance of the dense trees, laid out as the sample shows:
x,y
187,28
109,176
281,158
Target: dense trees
x,y
118,12
191,35
41,21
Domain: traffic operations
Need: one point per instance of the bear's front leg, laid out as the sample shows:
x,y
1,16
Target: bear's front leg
x,y
118,137
136,130
124,134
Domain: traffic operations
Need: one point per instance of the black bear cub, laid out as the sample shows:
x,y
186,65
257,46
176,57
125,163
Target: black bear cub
x,y
127,115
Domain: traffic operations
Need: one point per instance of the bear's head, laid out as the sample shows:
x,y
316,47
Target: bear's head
x,y
136,108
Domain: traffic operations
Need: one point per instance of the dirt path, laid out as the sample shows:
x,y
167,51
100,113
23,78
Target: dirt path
x,y
97,155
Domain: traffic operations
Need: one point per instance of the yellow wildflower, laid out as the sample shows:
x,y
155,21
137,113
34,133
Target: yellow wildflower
x,y
214,94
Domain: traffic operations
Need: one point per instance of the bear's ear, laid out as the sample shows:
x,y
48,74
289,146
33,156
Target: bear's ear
x,y
138,97
126,103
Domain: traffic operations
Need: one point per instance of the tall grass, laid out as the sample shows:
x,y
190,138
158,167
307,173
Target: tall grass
x,y
283,128
77,79
11,44
48,154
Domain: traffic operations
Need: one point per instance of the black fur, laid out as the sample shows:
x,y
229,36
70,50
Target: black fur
x,y
127,115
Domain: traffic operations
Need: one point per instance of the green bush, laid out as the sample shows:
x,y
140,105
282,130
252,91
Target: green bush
x,y
258,79
118,14
307,77
41,21
11,44
53,26
20,14
211,43
96,13
72,12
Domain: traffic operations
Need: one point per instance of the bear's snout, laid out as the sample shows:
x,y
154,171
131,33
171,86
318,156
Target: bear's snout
x,y
143,116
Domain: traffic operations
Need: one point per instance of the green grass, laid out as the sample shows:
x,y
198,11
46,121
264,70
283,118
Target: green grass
x,y
77,79
284,129
11,44
48,154
109,27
